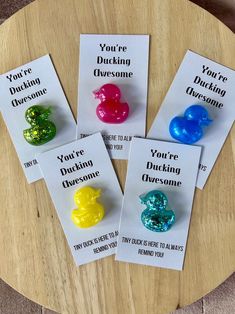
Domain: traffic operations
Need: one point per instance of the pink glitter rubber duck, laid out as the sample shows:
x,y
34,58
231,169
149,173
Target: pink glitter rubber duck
x,y
110,109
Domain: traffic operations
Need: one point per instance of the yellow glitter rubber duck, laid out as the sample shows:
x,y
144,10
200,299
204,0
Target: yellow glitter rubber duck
x,y
89,211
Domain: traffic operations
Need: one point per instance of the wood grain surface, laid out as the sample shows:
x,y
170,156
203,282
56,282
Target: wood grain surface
x,y
35,258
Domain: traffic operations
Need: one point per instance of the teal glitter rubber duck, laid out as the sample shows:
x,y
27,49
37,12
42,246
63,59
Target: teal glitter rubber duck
x,y
42,130
156,217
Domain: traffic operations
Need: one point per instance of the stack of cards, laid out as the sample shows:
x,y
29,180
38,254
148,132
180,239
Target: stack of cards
x,y
150,224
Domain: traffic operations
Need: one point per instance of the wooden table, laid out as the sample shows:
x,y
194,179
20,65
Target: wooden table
x,y
35,258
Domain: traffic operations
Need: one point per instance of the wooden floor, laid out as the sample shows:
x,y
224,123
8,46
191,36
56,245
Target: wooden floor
x,y
222,299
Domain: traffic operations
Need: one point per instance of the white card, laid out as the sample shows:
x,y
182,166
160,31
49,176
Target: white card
x,y
34,83
131,52
172,169
90,155
217,97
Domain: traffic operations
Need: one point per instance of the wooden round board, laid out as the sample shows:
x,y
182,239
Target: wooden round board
x,y
35,258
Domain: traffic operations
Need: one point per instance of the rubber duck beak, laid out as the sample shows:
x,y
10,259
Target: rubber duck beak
x,y
206,122
142,198
96,93
98,193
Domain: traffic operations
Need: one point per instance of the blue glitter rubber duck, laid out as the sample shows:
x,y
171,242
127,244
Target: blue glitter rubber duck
x,y
188,129
156,217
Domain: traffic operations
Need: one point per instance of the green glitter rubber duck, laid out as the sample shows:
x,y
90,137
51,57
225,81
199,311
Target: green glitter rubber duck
x,y
42,130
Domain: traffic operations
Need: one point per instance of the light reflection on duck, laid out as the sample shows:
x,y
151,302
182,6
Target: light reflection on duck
x,y
189,128
156,217
89,211
111,109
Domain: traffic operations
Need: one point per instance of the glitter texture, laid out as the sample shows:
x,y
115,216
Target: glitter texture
x,y
156,217
42,130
